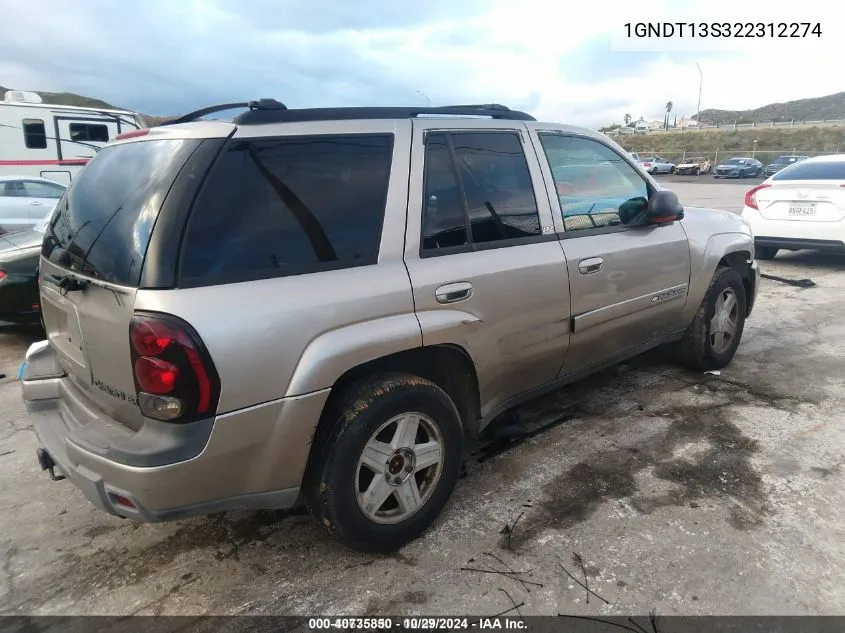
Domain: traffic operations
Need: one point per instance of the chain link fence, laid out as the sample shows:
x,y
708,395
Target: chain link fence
x,y
678,156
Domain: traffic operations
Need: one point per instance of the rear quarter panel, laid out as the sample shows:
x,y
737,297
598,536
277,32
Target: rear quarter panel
x,y
712,234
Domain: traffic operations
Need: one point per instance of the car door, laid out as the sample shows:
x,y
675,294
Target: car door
x,y
15,207
42,197
627,284
487,271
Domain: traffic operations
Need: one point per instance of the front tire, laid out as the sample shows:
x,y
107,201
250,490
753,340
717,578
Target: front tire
x,y
387,464
712,339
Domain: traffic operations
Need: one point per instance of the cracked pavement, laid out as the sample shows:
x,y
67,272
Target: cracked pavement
x,y
682,492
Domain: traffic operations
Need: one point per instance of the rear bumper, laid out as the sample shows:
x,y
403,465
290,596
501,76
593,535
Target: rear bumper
x,y
252,458
795,234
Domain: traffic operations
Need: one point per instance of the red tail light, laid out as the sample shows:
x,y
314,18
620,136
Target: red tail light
x,y
132,134
750,197
174,375
646,164
2,274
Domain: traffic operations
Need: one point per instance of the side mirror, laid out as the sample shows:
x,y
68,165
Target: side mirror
x,y
664,207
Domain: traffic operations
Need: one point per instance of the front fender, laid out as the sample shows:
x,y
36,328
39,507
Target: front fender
x,y
333,353
705,258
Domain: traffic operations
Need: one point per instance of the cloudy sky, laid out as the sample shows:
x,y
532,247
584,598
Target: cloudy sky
x,y
557,61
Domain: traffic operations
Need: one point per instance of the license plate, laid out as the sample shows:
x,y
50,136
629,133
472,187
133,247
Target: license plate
x,y
801,210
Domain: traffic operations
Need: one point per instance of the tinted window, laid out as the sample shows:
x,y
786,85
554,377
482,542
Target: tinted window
x,y
89,132
288,206
497,185
592,181
735,161
102,226
807,170
34,134
37,189
444,221
494,195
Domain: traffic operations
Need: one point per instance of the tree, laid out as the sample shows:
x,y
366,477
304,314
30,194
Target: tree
x,y
669,105
627,119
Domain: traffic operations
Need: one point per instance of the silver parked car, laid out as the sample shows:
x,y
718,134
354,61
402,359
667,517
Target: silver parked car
x,y
321,306
657,165
24,200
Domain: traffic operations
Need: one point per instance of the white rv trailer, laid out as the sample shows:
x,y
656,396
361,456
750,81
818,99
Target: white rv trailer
x,y
55,141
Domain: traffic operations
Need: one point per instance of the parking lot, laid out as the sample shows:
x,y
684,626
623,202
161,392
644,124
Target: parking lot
x,y
681,492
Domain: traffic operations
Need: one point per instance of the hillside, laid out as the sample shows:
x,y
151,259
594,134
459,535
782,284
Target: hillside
x,y
67,98
817,109
771,142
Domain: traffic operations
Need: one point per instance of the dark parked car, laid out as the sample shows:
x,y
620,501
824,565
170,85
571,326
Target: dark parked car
x,y
739,168
780,162
19,253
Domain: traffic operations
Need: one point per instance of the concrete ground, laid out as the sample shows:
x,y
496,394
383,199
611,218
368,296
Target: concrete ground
x,y
681,492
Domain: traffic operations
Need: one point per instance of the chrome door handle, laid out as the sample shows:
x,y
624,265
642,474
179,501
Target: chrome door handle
x,y
590,266
450,293
35,203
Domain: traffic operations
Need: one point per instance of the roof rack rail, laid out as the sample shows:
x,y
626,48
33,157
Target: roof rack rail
x,y
261,104
283,115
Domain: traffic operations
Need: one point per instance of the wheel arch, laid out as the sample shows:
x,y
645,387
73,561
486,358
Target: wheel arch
x,y
723,249
448,366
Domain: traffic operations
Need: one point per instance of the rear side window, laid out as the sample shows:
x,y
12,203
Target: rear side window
x,y
478,180
286,206
36,189
34,134
102,226
96,132
827,170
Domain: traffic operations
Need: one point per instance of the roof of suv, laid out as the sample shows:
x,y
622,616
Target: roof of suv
x,y
272,111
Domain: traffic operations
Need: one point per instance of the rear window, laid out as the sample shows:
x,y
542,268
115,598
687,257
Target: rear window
x,y
827,170
102,225
287,206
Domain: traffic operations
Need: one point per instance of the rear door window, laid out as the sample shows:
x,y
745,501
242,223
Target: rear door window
x,y
36,189
823,170
477,182
286,206
102,227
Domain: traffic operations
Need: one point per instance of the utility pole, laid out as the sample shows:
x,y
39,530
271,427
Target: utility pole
x,y
427,100
700,83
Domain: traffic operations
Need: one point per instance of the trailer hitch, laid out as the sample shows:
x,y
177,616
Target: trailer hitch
x,y
46,462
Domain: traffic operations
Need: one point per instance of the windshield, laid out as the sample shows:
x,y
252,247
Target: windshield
x,y
648,160
102,225
735,161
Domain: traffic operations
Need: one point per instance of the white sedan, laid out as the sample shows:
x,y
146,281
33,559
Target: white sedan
x,y
656,165
25,200
800,207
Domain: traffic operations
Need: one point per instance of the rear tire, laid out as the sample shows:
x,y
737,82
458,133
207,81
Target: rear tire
x,y
671,170
712,339
766,253
366,472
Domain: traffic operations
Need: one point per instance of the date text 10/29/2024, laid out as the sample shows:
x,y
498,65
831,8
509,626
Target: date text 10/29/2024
x,y
723,29
415,624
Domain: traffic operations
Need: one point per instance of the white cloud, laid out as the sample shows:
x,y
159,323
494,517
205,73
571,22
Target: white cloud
x,y
550,58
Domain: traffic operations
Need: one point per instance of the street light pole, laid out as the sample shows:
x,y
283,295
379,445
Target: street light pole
x,y
700,83
427,100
